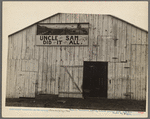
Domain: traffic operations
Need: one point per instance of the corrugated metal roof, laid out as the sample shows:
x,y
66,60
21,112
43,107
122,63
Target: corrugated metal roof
x,y
68,13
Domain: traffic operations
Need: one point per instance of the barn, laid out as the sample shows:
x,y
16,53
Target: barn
x,y
78,55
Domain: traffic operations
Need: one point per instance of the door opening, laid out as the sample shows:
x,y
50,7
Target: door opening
x,y
95,79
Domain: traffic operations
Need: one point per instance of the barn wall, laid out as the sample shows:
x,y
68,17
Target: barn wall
x,y
22,64
51,70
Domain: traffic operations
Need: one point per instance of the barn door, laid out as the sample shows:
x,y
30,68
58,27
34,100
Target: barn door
x,y
95,79
70,82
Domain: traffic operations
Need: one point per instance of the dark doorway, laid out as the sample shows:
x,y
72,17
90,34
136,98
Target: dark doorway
x,y
95,79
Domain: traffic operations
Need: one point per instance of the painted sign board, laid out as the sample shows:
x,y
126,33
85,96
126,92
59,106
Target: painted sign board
x,y
62,34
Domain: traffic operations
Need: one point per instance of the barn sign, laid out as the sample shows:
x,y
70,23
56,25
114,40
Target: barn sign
x,y
62,34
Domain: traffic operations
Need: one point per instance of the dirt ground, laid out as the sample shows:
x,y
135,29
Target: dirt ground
x,y
75,103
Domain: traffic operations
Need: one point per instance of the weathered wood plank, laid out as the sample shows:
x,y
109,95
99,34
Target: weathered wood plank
x,y
49,51
120,78
8,78
18,38
117,44
53,70
82,18
58,61
143,70
76,70
67,78
62,71
9,52
124,82
22,85
29,52
122,49
75,79
138,65
124,41
80,69
40,70
99,37
57,69
125,70
13,47
128,42
134,33
93,37
146,71
14,83
120,40
144,39
66,86
70,82
32,84
116,78
29,65
45,68
115,34
90,37
110,39
133,81
143,65
113,80
32,38
62,80
18,83
45,59
72,62
77,19
11,80
128,57
110,79
26,84
34,30
86,58
70,69
61,62
81,55
80,81
139,38
133,72
105,39
9,74
8,67
49,63
24,46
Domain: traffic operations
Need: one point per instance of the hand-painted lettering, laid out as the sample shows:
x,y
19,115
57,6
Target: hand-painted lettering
x,y
67,37
61,40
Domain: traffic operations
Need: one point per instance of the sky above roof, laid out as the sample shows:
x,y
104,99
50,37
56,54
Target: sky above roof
x,y
18,15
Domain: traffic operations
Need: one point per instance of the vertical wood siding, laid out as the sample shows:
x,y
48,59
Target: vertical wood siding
x,y
36,70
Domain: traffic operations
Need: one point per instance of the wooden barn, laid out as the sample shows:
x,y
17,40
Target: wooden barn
x,y
77,55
